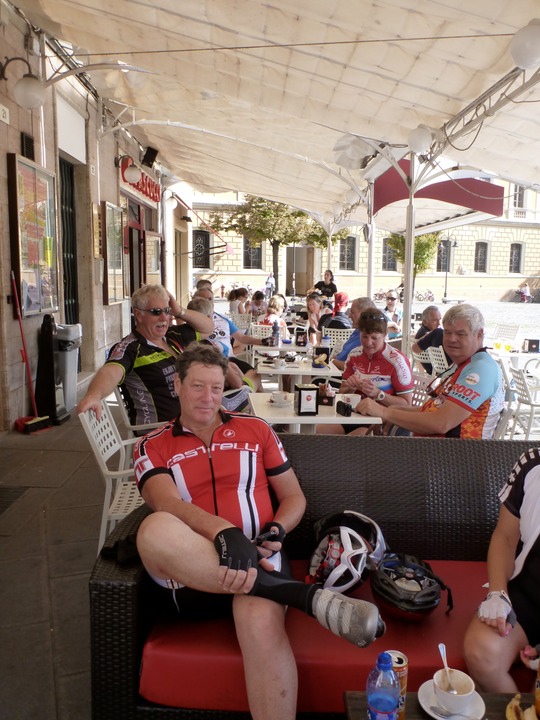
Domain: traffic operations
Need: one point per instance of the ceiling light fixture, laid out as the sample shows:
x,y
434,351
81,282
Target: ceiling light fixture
x,y
420,139
525,45
130,172
28,91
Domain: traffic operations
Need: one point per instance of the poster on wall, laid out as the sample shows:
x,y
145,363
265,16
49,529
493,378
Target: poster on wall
x,y
32,226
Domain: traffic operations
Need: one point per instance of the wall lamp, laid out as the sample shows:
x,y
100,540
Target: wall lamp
x,y
130,172
28,91
186,218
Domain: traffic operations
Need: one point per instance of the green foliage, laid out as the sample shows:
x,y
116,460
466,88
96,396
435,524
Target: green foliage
x,y
259,220
425,247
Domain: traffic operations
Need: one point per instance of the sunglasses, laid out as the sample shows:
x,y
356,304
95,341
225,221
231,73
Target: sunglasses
x,y
157,311
391,298
372,316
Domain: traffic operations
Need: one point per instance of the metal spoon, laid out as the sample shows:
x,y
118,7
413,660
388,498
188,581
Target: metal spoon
x,y
441,712
451,689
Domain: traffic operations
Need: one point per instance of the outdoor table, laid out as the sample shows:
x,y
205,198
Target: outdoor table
x,y
355,705
302,370
284,415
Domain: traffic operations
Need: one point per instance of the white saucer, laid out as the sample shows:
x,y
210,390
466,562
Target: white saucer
x,y
281,404
426,698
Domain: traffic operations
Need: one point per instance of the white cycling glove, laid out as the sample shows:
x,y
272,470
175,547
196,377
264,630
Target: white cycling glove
x,y
497,604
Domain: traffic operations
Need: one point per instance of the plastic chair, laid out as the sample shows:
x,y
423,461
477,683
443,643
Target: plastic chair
x,y
338,337
438,359
132,430
505,333
419,395
419,358
261,331
113,456
242,321
527,412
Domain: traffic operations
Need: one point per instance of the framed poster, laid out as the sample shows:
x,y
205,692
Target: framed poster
x,y
33,236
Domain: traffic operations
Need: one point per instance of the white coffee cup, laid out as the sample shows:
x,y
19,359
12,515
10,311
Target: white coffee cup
x,y
279,397
279,362
461,682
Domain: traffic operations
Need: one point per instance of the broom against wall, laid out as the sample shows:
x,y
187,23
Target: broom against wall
x,y
29,424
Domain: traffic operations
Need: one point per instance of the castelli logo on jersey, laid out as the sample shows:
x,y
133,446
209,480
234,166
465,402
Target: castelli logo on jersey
x,y
228,433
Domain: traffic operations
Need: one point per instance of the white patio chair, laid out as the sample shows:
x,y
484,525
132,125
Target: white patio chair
x,y
505,333
418,359
527,412
437,359
419,395
132,430
338,337
242,321
113,456
261,331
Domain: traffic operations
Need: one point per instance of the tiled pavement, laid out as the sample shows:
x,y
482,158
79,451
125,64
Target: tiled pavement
x,y
48,543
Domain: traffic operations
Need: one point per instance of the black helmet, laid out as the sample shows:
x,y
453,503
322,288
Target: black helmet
x,y
349,545
407,586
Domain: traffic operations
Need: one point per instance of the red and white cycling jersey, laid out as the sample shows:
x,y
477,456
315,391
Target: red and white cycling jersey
x,y
229,478
388,369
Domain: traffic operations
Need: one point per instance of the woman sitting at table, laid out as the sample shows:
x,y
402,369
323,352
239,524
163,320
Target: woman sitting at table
x,y
274,312
316,311
258,305
375,370
239,301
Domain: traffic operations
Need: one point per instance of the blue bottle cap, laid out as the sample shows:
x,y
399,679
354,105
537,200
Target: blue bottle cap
x,y
384,661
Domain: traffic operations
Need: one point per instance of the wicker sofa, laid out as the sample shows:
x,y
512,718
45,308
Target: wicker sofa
x,y
436,499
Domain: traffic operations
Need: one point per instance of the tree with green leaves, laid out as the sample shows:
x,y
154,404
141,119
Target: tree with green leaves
x,y
259,220
425,247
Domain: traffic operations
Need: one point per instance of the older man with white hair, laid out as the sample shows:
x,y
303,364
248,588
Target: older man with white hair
x,y
465,401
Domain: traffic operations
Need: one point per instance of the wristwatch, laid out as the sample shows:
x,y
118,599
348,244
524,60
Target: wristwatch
x,y
381,395
182,313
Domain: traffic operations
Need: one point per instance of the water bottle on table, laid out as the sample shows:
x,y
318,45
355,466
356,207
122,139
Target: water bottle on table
x,y
382,690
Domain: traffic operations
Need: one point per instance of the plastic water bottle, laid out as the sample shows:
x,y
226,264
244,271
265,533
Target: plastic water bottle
x,y
276,332
382,690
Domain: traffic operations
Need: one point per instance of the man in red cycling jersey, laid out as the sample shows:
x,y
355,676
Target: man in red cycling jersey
x,y
208,477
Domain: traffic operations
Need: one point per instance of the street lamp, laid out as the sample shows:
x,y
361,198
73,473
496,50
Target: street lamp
x,y
445,246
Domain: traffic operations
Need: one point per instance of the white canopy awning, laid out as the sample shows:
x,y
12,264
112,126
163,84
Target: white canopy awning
x,y
253,96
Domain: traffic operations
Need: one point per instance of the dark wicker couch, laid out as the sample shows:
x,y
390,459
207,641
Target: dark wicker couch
x,y
437,498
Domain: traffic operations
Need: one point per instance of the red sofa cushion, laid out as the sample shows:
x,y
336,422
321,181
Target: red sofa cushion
x,y
198,664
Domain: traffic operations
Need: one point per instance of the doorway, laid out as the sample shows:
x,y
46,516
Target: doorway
x,y
66,191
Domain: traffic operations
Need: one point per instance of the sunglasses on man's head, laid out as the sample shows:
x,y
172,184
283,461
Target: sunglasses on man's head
x,y
157,311
372,316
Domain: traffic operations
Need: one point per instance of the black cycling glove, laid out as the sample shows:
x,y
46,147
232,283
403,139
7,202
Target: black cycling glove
x,y
235,550
280,537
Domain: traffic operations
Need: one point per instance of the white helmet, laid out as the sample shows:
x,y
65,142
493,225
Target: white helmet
x,y
349,545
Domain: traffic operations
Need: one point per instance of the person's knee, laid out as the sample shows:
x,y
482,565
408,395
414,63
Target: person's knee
x,y
156,531
258,620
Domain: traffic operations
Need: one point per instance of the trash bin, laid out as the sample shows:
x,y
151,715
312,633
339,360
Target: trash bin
x,y
67,341
56,379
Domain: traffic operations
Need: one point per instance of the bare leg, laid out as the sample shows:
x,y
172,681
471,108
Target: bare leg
x,y
269,664
167,547
336,429
489,656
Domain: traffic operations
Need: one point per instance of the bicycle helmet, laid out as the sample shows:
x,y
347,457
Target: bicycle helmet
x,y
407,586
349,545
